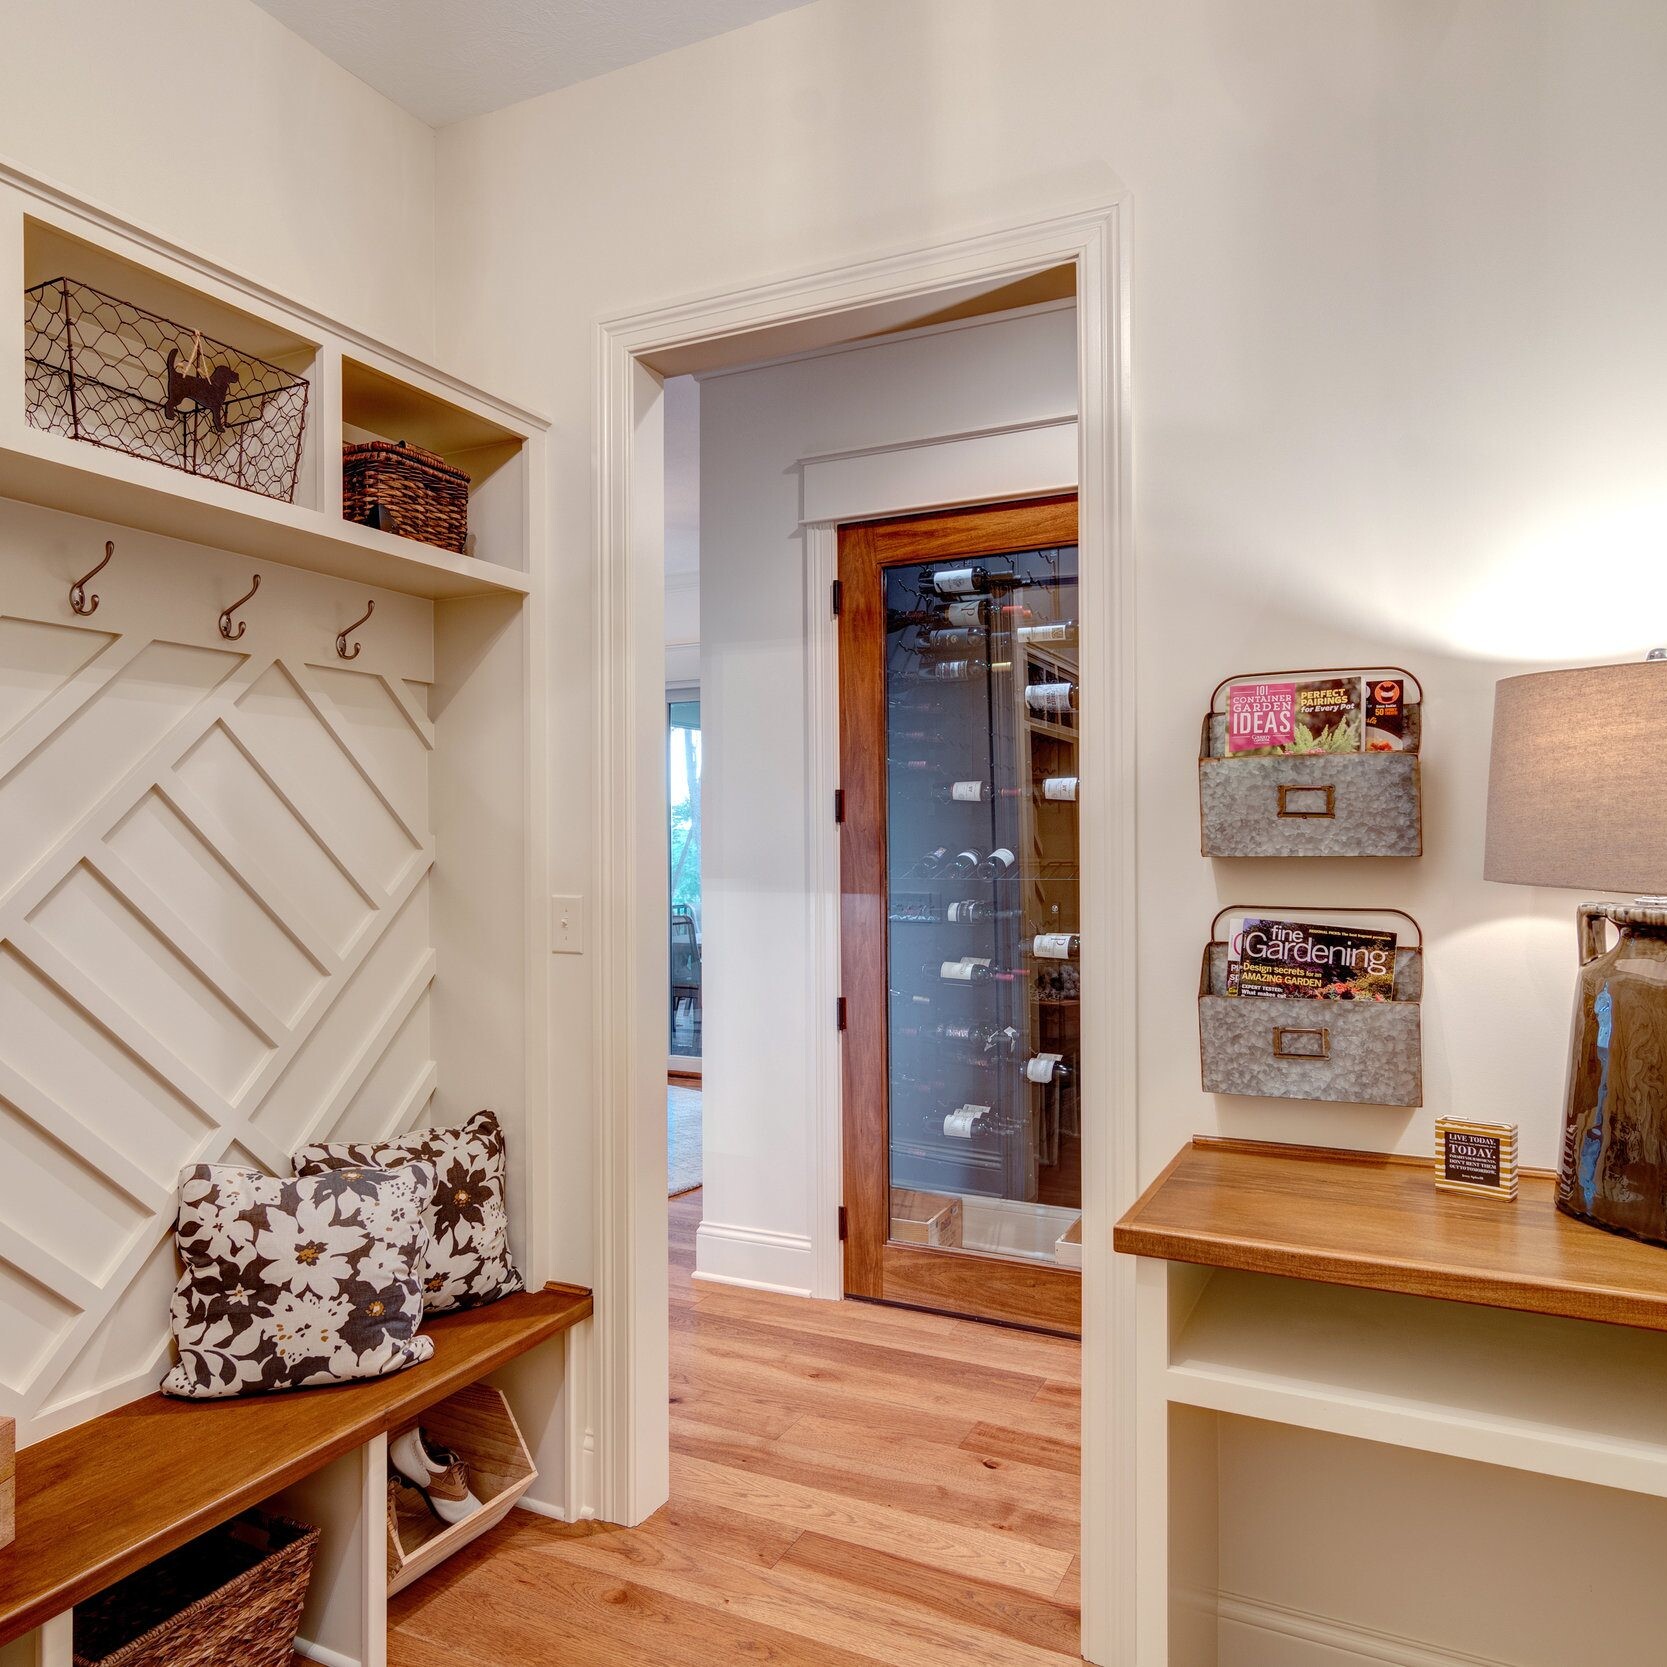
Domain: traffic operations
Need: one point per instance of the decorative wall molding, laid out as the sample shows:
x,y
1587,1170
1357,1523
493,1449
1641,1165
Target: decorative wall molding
x,y
750,1256
1258,1634
214,935
1024,460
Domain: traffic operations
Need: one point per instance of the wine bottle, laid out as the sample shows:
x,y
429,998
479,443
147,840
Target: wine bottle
x,y
962,792
1047,1067
1047,631
969,909
952,636
999,864
960,581
965,1121
933,861
1059,631
964,862
977,611
1055,946
1060,788
948,671
1051,699
970,969
977,1039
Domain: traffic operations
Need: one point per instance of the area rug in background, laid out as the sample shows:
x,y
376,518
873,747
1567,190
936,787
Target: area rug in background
x,y
682,1137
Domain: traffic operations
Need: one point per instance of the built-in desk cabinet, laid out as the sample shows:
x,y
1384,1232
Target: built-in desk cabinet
x,y
1341,1292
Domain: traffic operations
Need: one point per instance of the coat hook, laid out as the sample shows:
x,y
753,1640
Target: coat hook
x,y
348,630
79,600
226,630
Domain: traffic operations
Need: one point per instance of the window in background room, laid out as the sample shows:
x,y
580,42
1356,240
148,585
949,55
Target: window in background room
x,y
683,801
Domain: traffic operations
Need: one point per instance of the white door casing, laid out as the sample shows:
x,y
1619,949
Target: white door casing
x,y
631,1430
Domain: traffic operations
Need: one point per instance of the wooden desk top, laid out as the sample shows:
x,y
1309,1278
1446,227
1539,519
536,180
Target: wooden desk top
x,y
1377,1221
119,1491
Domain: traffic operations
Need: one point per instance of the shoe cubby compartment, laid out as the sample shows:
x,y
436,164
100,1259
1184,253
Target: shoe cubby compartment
x,y
1366,804
1302,1048
477,1424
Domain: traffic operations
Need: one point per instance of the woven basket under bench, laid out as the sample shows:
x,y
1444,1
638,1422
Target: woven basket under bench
x,y
230,1598
418,494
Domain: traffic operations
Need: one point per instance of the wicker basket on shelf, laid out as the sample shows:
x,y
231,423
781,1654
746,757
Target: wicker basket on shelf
x,y
406,490
232,1595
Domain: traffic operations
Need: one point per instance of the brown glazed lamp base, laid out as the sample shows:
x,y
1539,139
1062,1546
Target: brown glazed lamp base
x,y
1612,1169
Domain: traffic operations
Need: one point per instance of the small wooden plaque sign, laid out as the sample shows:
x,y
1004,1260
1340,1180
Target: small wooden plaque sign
x,y
8,1481
1478,1158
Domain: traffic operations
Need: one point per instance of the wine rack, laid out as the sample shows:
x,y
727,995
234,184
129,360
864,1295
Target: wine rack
x,y
982,863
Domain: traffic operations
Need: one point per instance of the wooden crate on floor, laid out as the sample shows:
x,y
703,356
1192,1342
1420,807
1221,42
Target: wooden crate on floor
x,y
932,1218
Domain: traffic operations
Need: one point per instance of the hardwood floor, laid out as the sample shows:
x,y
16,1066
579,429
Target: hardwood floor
x,y
851,1485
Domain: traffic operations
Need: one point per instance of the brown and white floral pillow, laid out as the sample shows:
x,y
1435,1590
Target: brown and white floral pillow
x,y
297,1282
469,1260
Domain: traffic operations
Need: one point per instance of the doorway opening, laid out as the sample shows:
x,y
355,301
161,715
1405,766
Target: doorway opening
x,y
942,285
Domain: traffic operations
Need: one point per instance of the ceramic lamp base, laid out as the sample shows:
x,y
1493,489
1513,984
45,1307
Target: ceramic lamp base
x,y
1612,1169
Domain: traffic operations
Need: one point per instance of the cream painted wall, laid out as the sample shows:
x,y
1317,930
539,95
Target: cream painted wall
x,y
1397,353
208,122
755,426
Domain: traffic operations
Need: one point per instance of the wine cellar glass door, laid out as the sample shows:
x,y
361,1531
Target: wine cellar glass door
x,y
959,862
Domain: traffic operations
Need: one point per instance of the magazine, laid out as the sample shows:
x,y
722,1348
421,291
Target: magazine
x,y
1301,715
1386,715
1283,958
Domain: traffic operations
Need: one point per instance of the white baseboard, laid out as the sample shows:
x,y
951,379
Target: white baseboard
x,y
324,1657
750,1256
1258,1634
540,1509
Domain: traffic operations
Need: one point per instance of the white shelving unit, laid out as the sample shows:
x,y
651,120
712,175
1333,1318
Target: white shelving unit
x,y
462,669
1343,1294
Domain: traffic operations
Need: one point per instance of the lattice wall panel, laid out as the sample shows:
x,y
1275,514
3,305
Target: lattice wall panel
x,y
214,923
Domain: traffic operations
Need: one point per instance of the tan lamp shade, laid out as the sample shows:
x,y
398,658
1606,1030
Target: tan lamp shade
x,y
1577,784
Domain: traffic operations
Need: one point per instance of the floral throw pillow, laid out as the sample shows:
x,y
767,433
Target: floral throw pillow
x,y
290,1283
469,1259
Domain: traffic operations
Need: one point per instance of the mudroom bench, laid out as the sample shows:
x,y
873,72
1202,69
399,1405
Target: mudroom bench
x,y
115,1493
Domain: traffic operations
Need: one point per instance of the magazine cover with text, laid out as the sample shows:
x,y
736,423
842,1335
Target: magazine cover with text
x,y
1284,958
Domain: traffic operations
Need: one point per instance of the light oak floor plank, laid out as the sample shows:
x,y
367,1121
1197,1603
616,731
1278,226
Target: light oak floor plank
x,y
852,1486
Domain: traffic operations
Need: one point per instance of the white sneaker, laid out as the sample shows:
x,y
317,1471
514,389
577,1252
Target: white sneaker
x,y
437,1472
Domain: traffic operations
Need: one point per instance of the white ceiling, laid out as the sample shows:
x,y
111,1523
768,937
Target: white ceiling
x,y
443,61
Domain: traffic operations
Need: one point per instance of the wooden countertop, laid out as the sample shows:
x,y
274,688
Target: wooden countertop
x,y
1377,1221
119,1491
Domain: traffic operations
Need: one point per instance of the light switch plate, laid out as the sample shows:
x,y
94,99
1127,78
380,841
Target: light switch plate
x,y
567,926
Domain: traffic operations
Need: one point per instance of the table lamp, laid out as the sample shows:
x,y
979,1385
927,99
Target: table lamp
x,y
1577,796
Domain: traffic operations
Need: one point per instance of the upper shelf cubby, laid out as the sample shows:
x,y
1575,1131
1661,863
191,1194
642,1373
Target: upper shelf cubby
x,y
377,405
215,470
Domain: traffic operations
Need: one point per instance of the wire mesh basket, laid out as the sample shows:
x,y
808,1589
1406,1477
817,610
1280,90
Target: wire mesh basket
x,y
105,371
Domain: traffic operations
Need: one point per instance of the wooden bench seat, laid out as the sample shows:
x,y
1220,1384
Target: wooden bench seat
x,y
117,1492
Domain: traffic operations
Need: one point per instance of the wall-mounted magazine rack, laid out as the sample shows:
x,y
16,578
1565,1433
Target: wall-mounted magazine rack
x,y
1313,1048
1366,804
